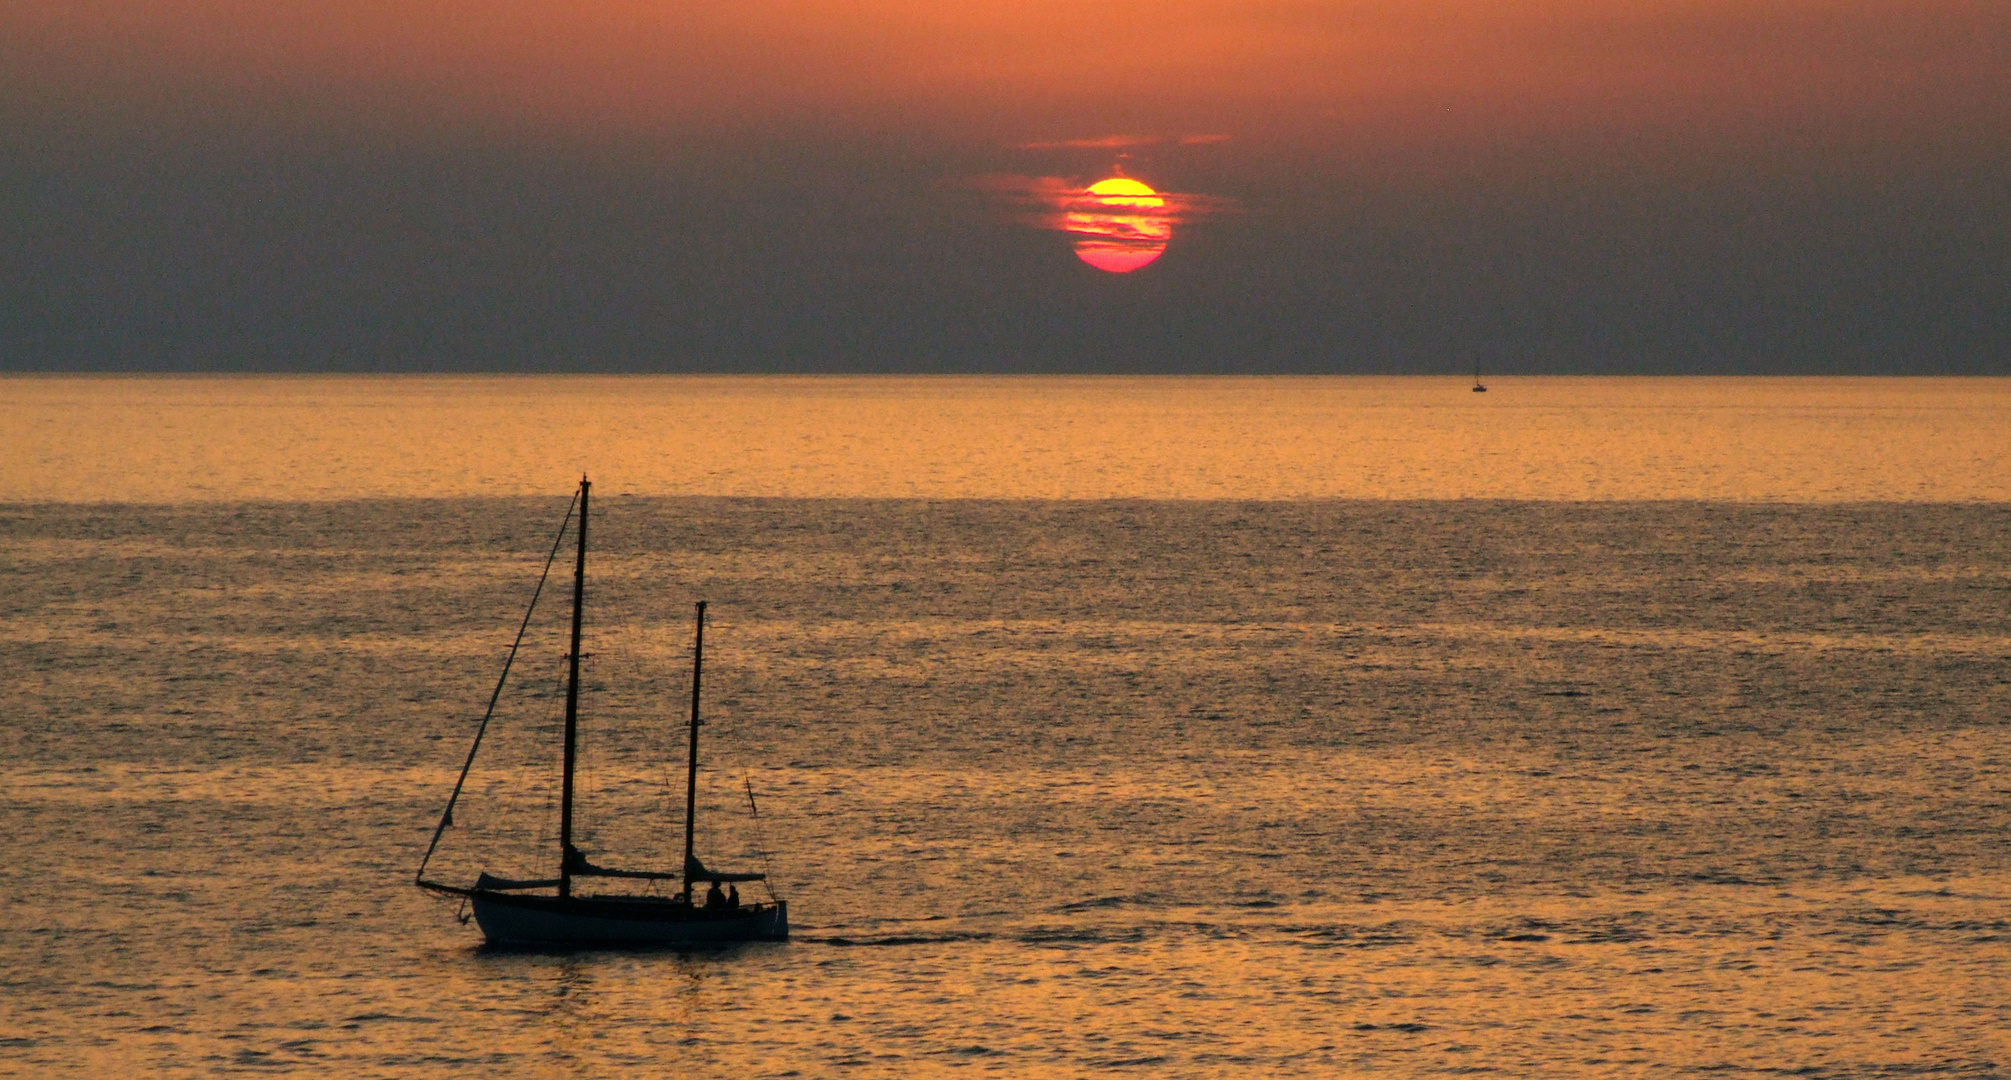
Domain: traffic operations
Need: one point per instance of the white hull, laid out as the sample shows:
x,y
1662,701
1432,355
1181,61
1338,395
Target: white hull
x,y
545,920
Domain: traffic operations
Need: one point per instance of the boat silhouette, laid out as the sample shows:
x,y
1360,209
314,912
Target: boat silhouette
x,y
555,910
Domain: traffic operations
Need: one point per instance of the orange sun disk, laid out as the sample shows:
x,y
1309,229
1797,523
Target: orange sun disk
x,y
1119,225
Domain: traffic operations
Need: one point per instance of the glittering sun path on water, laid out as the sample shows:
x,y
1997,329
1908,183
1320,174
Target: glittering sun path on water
x,y
1792,440
1143,787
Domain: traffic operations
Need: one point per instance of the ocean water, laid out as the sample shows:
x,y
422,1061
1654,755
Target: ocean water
x,y
153,439
1068,766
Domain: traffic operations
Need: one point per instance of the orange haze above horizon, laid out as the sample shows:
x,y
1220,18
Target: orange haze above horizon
x,y
1468,69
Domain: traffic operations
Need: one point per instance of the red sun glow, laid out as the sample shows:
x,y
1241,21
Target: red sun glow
x,y
1119,224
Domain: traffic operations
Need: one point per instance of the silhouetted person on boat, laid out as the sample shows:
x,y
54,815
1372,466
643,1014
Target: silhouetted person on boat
x,y
732,898
714,899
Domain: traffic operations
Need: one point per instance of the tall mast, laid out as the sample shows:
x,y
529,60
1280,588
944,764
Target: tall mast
x,y
567,856
691,766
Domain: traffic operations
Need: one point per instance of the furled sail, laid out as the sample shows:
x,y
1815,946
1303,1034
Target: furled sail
x,y
491,881
696,871
578,866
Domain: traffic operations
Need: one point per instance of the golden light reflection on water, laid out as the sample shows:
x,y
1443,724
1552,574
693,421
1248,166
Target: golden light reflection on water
x,y
1055,789
175,439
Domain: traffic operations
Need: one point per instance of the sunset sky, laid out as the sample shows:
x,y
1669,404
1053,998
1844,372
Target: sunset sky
x,y
876,185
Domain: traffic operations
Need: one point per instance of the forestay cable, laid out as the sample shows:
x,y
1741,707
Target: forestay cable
x,y
447,817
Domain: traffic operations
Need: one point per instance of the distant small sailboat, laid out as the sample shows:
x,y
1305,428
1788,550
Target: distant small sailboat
x,y
522,912
1478,386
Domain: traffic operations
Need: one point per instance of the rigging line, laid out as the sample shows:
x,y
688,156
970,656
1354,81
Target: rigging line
x,y
760,841
447,816
669,789
583,771
548,825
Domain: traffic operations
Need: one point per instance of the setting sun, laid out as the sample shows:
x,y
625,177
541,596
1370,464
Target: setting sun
x,y
1119,224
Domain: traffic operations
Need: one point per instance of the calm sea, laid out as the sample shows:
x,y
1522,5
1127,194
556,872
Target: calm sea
x,y
1193,728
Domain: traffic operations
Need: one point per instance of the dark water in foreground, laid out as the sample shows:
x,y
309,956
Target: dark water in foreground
x,y
1054,788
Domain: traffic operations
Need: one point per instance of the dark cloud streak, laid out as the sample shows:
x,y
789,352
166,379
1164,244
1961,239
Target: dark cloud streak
x,y
838,257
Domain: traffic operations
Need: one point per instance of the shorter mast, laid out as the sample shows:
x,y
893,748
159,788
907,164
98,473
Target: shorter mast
x,y
691,767
568,857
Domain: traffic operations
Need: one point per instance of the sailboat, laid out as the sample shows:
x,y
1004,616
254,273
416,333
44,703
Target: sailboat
x,y
1478,386
559,910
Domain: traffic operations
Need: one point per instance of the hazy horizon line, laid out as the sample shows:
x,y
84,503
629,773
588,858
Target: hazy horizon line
x,y
1461,377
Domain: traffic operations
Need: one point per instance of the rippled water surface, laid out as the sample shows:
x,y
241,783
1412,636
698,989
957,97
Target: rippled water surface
x,y
1177,787
1745,439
